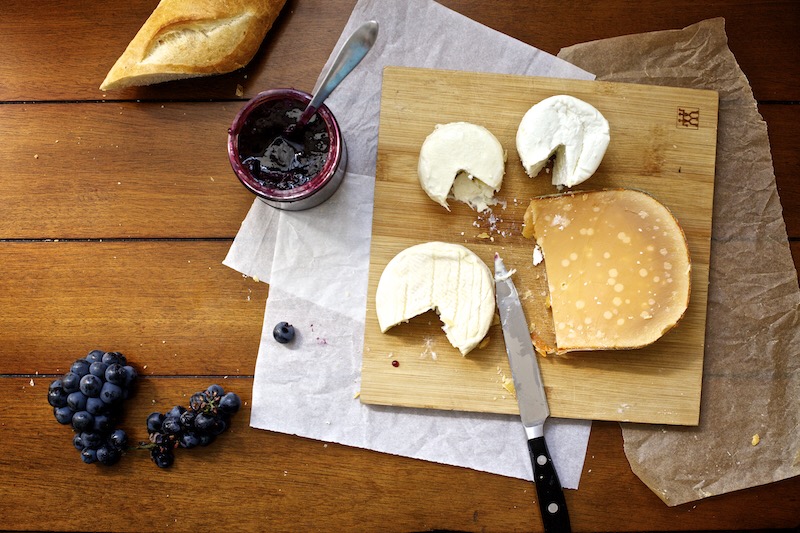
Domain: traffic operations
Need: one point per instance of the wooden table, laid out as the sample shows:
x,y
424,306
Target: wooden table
x,y
117,210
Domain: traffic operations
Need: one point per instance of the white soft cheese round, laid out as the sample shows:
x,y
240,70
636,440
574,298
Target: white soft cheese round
x,y
462,161
448,278
572,129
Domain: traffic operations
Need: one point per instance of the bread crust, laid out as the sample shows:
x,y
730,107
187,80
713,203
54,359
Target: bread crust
x,y
191,38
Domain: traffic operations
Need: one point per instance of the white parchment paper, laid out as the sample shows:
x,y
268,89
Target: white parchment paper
x,y
317,263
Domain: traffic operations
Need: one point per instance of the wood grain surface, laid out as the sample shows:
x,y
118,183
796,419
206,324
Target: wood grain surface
x,y
648,152
96,241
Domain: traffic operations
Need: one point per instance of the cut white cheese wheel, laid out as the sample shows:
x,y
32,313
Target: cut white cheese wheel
x,y
617,266
462,161
448,278
573,130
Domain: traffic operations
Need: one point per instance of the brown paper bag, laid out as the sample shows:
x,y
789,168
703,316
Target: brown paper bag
x,y
749,432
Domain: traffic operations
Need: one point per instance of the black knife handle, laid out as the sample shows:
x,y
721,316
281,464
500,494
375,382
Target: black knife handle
x,y
548,488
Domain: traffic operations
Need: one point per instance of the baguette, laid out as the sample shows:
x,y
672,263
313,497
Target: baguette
x,y
191,38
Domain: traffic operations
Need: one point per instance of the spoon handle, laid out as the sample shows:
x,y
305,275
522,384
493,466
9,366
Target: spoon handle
x,y
351,54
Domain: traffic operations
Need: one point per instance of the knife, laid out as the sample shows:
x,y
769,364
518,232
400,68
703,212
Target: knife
x,y
531,398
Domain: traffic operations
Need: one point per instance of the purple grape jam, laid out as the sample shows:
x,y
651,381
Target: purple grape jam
x,y
277,159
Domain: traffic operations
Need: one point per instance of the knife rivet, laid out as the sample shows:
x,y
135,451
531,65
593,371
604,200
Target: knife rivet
x,y
541,460
552,508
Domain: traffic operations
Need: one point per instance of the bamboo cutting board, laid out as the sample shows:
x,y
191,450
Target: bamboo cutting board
x,y
663,141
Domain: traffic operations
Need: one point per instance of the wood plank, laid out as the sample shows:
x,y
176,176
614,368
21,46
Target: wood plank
x,y
249,480
761,33
119,170
74,44
648,152
126,194
171,306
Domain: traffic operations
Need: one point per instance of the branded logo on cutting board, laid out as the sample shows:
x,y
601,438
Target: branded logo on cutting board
x,y
688,117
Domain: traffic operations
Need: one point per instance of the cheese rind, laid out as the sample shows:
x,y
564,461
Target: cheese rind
x,y
448,278
617,265
462,161
575,131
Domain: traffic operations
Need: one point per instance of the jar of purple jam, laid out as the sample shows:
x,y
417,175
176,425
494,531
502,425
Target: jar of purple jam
x,y
292,171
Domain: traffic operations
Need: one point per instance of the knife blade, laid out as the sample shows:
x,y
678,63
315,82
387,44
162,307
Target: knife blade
x,y
531,397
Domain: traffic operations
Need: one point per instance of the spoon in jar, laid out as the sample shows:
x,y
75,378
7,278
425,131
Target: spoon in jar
x,y
351,54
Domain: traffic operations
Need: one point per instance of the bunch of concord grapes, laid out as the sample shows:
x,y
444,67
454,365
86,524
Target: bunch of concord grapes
x,y
89,398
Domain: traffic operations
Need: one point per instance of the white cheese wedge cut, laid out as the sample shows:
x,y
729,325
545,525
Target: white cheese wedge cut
x,y
462,161
448,278
573,130
617,266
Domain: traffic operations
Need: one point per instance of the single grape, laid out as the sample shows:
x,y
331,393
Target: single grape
x,y
118,439
96,406
108,455
91,385
95,356
198,401
82,421
56,384
171,425
187,419
116,374
89,455
176,411
77,441
98,369
230,403
215,390
162,457
154,421
189,440
110,358
80,367
130,375
103,424
219,426
76,401
56,396
110,393
283,332
71,382
63,414
203,422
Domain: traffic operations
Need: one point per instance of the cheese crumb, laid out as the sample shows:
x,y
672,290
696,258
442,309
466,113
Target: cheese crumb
x,y
756,439
508,384
538,257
